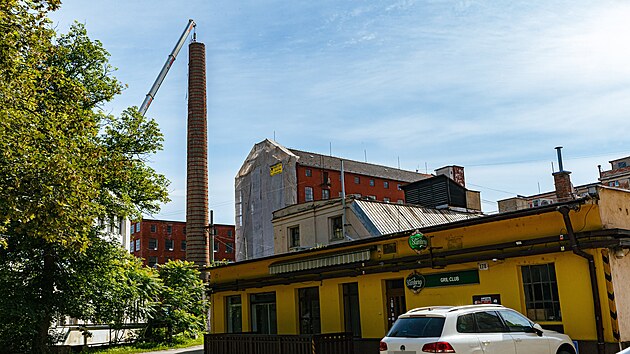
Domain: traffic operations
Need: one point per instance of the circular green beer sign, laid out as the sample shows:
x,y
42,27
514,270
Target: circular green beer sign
x,y
418,241
415,282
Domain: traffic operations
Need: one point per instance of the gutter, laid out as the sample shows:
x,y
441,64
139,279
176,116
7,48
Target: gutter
x,y
599,326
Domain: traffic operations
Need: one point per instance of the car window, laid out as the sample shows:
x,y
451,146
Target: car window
x,y
515,321
466,323
488,321
417,327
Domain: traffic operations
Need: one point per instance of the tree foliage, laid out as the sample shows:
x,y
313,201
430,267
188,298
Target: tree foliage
x,y
64,164
181,305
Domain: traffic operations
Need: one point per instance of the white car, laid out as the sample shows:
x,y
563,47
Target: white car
x,y
474,329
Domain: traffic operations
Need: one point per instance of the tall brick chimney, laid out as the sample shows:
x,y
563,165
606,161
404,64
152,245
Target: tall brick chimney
x,y
562,180
197,241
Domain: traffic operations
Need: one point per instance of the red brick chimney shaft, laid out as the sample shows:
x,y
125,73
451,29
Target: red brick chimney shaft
x,y
197,244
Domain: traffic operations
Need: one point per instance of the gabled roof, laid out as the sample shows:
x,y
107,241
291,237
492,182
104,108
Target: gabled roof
x,y
362,168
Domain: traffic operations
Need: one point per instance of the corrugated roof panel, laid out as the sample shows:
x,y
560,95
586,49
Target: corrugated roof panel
x,y
320,262
392,218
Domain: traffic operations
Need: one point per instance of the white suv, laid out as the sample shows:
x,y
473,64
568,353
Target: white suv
x,y
474,329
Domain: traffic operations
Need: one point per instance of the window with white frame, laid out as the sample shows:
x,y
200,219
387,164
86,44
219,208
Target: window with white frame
x,y
308,194
325,194
294,236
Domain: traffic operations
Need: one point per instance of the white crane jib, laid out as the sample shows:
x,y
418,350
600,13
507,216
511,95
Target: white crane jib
x,y
169,61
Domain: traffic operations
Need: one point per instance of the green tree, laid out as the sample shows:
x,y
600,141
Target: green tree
x,y
64,164
182,307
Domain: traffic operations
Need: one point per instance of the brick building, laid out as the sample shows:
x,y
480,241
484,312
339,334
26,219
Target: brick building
x,y
273,177
158,241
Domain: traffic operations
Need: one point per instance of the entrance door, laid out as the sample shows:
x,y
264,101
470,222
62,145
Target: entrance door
x,y
396,305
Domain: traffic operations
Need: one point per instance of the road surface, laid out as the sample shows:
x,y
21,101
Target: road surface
x,y
197,349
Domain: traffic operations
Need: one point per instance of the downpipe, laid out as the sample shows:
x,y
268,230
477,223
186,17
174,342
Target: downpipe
x,y
564,210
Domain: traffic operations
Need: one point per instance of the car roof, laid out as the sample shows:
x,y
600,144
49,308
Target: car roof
x,y
443,310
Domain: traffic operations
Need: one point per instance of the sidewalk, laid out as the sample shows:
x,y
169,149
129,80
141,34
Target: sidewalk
x,y
197,349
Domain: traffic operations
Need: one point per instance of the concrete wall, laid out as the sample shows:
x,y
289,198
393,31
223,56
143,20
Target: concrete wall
x,y
620,266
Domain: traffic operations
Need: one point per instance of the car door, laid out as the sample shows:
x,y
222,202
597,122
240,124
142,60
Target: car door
x,y
492,333
526,340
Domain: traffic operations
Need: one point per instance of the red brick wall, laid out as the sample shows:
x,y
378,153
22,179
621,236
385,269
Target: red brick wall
x,y
177,235
316,181
224,240
224,237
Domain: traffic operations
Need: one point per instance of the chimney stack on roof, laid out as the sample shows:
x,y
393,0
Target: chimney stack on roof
x,y
562,180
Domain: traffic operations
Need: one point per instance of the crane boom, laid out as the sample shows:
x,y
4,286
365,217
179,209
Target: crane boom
x,y
169,61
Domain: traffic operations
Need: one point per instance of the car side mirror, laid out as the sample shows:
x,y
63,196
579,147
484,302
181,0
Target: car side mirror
x,y
537,329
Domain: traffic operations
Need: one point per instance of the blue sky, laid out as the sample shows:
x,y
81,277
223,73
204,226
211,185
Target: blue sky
x,y
489,85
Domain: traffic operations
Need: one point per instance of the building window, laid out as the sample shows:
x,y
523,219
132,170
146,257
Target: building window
x,y
386,200
153,244
138,227
336,228
263,313
152,262
357,180
308,194
153,228
216,246
371,197
131,244
229,233
621,164
168,245
169,229
308,172
399,186
386,185
351,312
400,201
234,315
183,245
325,194
229,247
541,292
294,237
309,310
138,245
372,183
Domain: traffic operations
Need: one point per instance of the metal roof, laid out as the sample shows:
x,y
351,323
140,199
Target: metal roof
x,y
362,168
386,218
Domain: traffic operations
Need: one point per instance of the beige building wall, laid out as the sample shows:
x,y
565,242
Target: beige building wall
x,y
620,271
314,222
613,208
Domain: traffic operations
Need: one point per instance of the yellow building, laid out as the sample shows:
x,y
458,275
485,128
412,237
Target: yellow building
x,y
552,263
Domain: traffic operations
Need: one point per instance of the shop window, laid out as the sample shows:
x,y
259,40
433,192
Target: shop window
x,y
308,194
234,314
325,194
153,228
351,312
182,245
541,292
309,310
168,245
263,313
336,228
294,236
153,244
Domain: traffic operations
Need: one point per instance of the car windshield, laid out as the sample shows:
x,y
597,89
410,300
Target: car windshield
x,y
417,327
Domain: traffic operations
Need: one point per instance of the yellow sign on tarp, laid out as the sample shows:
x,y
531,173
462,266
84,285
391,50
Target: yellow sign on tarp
x,y
275,169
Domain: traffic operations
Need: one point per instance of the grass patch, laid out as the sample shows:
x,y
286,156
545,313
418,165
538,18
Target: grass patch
x,y
178,342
